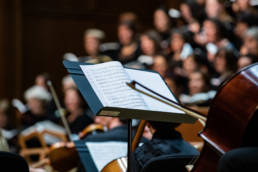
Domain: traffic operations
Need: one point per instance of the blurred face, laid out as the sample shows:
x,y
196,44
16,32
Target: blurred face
x,y
3,119
160,65
172,86
196,83
189,65
147,45
67,85
91,45
125,35
36,106
243,62
212,8
103,120
177,43
40,81
72,100
186,12
242,4
220,64
240,29
161,21
251,45
210,31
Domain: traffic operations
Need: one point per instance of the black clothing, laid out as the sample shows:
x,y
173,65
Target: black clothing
x,y
239,160
13,162
116,134
29,119
162,144
115,54
81,122
51,111
244,158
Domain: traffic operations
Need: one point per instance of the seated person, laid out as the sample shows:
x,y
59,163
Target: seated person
x,y
240,159
162,24
117,131
8,124
129,49
225,64
245,60
160,65
37,99
79,115
41,80
165,141
199,92
92,39
150,46
67,82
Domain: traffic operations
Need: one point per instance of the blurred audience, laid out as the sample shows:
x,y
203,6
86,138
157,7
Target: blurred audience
x,y
195,53
199,91
129,48
79,115
37,99
92,41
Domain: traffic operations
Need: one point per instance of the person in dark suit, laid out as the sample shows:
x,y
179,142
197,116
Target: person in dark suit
x,y
165,142
238,160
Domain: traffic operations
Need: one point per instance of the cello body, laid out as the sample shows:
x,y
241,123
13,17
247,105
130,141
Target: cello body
x,y
229,115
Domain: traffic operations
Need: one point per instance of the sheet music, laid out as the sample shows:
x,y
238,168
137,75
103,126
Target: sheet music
x,y
109,83
45,125
156,83
104,152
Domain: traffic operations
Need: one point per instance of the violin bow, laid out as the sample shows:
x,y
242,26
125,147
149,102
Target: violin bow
x,y
60,109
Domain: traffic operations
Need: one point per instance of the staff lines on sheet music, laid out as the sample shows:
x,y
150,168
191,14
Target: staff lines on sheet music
x,y
110,82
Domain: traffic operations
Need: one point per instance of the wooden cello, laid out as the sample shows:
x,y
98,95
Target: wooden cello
x,y
230,113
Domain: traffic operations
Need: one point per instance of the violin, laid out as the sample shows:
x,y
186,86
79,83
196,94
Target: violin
x,y
63,155
230,113
91,129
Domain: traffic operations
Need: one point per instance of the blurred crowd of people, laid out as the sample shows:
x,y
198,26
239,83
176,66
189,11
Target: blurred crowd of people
x,y
195,49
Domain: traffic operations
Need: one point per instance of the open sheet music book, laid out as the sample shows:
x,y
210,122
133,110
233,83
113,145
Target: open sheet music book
x,y
107,93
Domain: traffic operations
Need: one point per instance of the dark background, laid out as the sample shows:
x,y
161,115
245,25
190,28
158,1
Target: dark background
x,y
35,34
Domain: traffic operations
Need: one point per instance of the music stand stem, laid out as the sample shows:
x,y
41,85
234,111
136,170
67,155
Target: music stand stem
x,y
129,146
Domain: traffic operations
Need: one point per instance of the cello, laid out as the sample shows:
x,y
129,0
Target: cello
x,y
230,113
